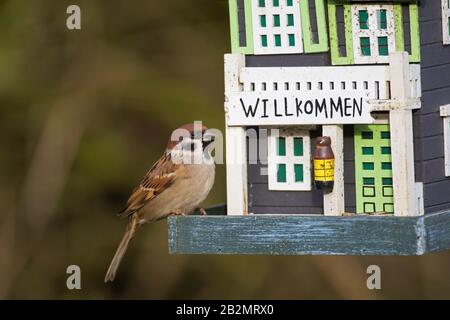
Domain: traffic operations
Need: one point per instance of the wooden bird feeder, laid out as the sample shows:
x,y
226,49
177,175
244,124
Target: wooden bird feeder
x,y
374,77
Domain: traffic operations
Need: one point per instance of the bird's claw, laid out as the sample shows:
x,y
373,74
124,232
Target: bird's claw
x,y
179,213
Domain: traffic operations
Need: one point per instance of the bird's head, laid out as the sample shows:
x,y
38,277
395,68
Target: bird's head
x,y
190,139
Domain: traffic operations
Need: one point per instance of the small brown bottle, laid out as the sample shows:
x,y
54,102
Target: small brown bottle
x,y
324,164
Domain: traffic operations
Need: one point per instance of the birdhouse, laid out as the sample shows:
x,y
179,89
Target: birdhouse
x,y
369,78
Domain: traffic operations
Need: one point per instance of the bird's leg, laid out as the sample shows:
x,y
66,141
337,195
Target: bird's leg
x,y
202,211
179,212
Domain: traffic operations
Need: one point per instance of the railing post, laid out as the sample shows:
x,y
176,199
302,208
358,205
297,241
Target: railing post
x,y
334,202
236,143
402,142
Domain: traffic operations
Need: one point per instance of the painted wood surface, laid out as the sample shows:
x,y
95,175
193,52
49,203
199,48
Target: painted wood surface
x,y
401,125
445,113
334,201
236,145
445,21
322,42
309,235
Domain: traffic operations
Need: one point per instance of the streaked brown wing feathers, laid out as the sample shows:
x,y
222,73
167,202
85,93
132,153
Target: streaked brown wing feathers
x,y
157,179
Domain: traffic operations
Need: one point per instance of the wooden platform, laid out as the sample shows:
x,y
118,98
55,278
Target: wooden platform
x,y
308,235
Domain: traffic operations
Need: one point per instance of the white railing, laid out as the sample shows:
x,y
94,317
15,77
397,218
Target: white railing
x,y
334,79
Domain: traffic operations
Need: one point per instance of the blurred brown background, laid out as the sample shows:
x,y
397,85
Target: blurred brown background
x,y
84,114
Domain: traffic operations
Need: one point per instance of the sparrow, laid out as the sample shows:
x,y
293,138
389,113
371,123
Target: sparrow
x,y
176,185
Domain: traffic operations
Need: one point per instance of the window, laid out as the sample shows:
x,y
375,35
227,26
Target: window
x,y
365,46
446,21
445,113
382,19
276,20
263,40
363,19
291,40
289,160
383,47
373,169
373,33
279,30
290,20
263,21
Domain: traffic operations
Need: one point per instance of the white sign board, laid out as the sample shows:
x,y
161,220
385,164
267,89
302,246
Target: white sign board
x,y
298,108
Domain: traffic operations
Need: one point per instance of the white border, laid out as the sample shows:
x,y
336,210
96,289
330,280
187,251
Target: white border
x,y
445,21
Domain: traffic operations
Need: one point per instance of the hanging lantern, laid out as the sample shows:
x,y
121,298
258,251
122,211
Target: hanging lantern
x,y
324,164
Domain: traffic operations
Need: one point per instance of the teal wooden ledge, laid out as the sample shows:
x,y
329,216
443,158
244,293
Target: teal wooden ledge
x,y
308,235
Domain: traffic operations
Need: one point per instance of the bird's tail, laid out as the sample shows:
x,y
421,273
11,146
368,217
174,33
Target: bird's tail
x,y
132,227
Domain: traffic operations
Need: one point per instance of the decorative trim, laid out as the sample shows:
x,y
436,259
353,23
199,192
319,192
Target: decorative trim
x,y
334,201
336,58
401,127
309,46
236,144
445,113
414,31
445,21
234,27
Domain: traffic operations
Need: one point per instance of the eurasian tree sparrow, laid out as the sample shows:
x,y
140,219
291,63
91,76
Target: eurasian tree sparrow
x,y
176,184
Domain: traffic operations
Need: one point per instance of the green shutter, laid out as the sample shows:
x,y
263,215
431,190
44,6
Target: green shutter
x,y
281,146
298,169
365,46
262,20
291,40
363,19
289,3
262,3
383,47
373,170
298,147
276,3
382,19
281,173
277,38
264,40
276,20
290,20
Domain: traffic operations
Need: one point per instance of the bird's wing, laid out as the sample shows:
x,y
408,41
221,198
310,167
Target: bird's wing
x,y
157,179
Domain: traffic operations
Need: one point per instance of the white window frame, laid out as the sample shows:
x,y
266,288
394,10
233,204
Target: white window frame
x,y
373,33
445,113
446,21
270,31
290,160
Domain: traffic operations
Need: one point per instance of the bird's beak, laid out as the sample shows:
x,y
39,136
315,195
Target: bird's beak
x,y
207,140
